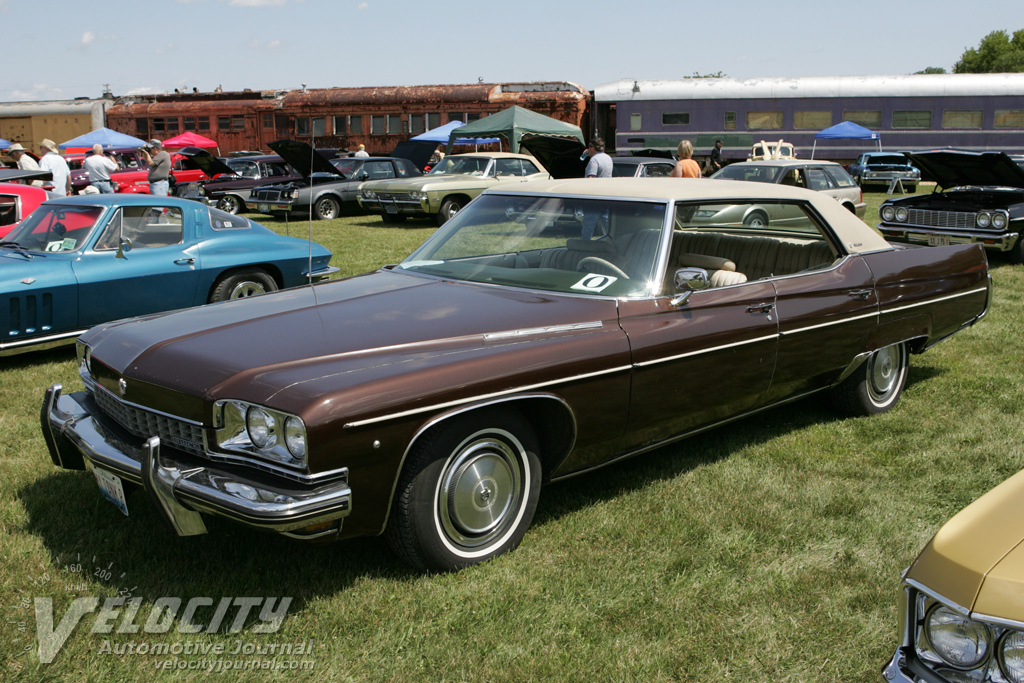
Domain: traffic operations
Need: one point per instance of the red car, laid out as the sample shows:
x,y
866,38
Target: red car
x,y
184,169
18,200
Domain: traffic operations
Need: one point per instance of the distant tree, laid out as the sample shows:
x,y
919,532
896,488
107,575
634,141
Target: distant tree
x,y
997,53
932,70
717,74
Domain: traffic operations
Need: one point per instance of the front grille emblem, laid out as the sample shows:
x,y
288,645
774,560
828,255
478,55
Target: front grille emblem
x,y
122,387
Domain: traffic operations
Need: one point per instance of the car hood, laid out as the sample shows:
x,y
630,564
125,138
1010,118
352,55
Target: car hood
x,y
349,330
301,157
976,559
427,182
10,174
560,156
953,168
205,162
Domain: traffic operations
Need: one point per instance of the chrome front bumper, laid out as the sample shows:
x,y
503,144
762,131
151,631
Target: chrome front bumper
x,y
79,436
919,235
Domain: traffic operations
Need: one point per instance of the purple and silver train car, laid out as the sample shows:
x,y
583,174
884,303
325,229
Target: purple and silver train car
x,y
914,112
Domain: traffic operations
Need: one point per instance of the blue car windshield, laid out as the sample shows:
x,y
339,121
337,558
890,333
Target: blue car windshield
x,y
56,227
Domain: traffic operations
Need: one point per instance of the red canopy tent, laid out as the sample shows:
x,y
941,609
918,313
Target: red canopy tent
x,y
190,139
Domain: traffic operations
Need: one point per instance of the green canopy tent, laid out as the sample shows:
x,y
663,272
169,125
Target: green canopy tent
x,y
515,124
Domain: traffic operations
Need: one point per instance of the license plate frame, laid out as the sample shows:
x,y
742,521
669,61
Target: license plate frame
x,y
938,241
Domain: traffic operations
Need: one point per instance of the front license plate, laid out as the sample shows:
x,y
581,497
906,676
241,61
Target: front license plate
x,y
264,208
111,488
938,241
391,208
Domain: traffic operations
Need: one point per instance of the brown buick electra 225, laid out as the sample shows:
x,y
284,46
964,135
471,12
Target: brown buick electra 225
x,y
546,330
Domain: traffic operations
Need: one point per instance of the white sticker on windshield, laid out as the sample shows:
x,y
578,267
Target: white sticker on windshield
x,y
594,283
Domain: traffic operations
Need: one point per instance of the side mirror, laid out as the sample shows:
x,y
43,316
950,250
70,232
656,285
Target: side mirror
x,y
687,281
123,247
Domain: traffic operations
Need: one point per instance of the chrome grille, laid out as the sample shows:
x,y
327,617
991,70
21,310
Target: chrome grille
x,y
144,424
955,220
267,195
396,196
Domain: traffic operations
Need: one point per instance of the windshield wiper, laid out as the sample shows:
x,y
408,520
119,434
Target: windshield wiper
x,y
16,247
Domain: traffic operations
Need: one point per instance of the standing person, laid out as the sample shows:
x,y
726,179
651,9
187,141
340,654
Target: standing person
x,y
26,162
716,156
686,167
159,163
361,152
52,161
99,166
600,164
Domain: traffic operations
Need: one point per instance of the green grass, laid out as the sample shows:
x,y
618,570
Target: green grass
x,y
767,551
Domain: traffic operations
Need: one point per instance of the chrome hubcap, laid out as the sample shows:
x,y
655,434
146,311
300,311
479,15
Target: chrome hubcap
x,y
884,372
480,492
247,288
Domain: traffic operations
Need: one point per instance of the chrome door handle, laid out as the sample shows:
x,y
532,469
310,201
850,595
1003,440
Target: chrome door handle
x,y
861,294
766,308
185,262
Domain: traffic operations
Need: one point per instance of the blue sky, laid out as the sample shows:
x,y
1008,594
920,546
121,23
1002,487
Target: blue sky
x,y
60,49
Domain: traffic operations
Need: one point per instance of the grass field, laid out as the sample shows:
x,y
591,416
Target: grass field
x,y
766,551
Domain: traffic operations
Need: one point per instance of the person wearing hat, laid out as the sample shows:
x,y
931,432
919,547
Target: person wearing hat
x,y
362,152
98,167
26,162
159,163
52,161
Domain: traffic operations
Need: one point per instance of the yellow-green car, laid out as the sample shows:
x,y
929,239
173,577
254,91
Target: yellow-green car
x,y
449,186
962,612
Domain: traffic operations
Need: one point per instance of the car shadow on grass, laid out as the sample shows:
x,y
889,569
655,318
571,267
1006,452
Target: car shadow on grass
x,y
66,511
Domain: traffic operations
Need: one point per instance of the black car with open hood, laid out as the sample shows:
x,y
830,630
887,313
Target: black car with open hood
x,y
979,198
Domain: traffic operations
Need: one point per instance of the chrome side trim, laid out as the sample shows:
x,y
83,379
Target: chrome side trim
x,y
699,352
553,329
936,300
484,397
829,324
39,343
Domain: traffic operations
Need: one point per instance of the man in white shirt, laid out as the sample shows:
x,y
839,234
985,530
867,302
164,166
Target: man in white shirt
x,y
99,167
26,162
53,162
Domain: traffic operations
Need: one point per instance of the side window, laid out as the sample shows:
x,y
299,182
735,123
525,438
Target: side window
x,y
507,167
840,178
529,167
659,170
378,170
145,227
817,180
402,168
275,170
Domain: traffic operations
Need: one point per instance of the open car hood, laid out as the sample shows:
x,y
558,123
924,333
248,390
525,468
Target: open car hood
x,y
954,167
205,162
10,174
416,151
300,156
560,156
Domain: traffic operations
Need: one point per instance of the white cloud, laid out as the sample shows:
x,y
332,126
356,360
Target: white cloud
x,y
39,91
87,39
361,6
271,46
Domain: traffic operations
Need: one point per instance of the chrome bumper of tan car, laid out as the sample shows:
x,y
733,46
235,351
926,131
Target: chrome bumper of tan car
x,y
934,238
78,436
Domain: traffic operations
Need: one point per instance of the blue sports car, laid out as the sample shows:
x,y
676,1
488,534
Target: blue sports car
x,y
76,262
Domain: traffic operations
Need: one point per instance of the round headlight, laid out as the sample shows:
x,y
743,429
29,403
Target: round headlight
x,y
959,640
983,220
901,215
260,424
999,221
887,213
295,437
1011,656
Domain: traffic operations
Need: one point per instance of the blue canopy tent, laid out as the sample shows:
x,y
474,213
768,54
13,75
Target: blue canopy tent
x,y
104,136
4,144
847,130
442,133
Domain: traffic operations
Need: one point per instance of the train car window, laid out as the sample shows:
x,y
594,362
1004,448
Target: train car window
x,y
962,119
730,120
812,120
636,121
764,120
868,119
378,124
675,119
912,118
1009,118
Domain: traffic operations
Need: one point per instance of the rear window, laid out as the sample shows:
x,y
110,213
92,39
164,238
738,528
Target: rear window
x,y
840,176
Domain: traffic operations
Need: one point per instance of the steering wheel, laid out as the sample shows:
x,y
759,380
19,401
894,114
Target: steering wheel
x,y
596,264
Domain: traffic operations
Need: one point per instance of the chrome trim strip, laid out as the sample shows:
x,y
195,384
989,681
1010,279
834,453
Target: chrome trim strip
x,y
829,324
935,596
553,329
120,400
934,301
999,621
484,397
39,343
703,351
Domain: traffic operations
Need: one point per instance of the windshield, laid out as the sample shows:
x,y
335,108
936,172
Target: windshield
x,y
888,159
347,167
246,169
56,227
586,246
758,173
461,165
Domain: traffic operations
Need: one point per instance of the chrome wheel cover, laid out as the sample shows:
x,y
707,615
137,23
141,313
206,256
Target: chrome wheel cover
x,y
246,288
885,373
480,492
